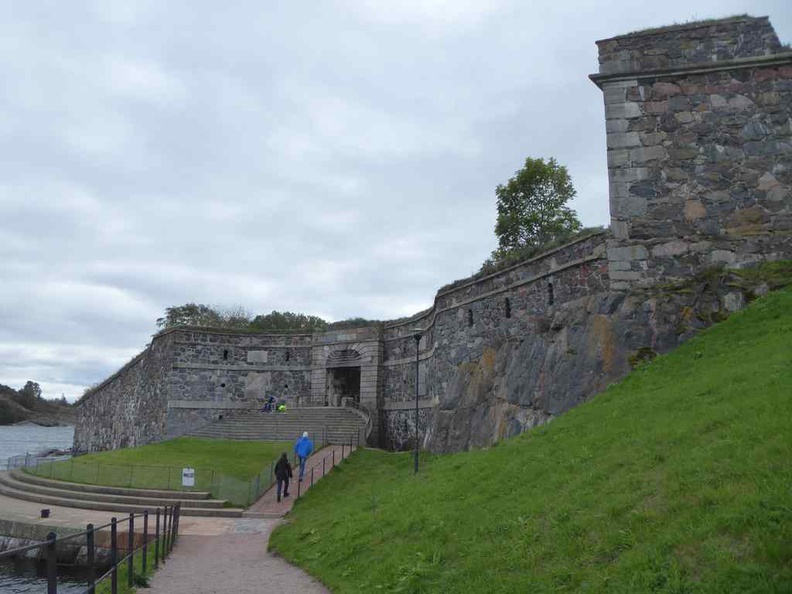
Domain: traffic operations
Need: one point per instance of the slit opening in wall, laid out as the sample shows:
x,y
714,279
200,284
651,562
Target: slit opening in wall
x,y
225,354
507,307
550,295
470,317
288,356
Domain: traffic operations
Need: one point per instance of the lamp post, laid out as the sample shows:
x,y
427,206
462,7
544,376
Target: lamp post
x,y
417,337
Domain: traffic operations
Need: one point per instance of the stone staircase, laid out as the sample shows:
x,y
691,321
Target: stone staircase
x,y
325,425
21,485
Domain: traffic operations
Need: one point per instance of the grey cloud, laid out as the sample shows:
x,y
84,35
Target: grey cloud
x,y
335,158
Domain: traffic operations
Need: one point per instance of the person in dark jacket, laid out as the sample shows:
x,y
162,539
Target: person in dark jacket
x,y
283,472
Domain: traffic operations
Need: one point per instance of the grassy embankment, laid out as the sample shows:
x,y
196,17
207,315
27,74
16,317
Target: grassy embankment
x,y
227,468
678,479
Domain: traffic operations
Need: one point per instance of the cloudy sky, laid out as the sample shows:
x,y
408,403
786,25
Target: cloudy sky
x,y
336,158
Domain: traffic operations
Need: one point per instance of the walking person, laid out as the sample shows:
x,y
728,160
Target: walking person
x,y
283,472
303,449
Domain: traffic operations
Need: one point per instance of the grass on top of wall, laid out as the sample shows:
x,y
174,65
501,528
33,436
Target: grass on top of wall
x,y
676,480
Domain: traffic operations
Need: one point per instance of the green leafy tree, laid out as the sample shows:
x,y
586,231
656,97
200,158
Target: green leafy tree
x,y
532,208
196,314
277,321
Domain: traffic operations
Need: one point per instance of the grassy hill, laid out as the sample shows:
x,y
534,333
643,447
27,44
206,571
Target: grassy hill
x,y
678,479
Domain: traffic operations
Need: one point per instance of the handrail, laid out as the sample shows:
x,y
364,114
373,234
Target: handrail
x,y
164,539
362,411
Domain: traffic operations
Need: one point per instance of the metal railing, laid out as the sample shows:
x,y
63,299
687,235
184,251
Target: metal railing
x,y
363,411
25,460
162,539
346,450
237,492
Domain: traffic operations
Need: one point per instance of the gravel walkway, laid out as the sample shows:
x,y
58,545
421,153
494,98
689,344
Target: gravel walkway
x,y
235,561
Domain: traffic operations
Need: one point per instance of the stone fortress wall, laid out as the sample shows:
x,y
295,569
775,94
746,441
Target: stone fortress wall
x,y
699,140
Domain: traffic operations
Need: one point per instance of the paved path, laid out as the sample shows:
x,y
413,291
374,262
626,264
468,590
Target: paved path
x,y
316,467
234,561
212,555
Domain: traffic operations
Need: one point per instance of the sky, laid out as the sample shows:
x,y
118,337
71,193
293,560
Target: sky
x,y
335,158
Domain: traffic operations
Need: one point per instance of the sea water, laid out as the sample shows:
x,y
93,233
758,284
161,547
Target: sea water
x,y
16,440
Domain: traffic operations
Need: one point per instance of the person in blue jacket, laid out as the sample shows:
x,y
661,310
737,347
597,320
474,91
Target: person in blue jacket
x,y
303,449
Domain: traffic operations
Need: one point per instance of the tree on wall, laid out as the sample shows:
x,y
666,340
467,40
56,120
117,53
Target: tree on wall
x,y
278,321
532,208
196,314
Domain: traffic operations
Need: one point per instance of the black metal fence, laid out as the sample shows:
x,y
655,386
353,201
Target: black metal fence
x,y
141,543
238,492
328,462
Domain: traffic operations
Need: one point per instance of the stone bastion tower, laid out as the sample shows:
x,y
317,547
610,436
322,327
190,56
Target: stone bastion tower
x,y
699,144
699,137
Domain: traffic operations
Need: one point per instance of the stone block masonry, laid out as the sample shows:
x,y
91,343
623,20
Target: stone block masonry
x,y
699,144
699,139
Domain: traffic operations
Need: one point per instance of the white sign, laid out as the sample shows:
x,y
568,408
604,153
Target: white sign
x,y
188,477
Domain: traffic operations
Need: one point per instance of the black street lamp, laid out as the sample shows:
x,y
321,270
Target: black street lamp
x,y
417,337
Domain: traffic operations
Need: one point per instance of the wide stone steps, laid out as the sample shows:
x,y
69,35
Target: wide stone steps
x,y
325,425
16,484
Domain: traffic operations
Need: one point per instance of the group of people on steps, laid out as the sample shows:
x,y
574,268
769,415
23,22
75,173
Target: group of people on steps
x,y
283,470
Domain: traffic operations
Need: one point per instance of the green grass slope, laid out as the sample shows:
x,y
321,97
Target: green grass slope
x,y
678,479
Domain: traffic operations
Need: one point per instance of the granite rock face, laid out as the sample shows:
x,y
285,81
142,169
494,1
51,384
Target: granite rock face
x,y
583,346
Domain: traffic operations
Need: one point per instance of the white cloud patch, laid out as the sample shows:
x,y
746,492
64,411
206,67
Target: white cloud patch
x,y
337,159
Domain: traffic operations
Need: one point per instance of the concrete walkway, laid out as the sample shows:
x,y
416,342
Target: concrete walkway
x,y
234,560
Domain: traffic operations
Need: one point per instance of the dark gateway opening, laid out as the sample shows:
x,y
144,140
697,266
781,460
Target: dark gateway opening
x,y
343,382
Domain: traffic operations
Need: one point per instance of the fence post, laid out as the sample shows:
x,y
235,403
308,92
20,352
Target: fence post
x,y
145,540
114,556
178,520
157,541
131,549
333,458
71,469
52,567
299,484
323,465
312,476
90,557
166,533
342,451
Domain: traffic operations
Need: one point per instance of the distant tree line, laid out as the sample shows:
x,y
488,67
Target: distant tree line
x,y
21,405
237,318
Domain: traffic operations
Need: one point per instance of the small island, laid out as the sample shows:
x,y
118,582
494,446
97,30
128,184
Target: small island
x,y
27,407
